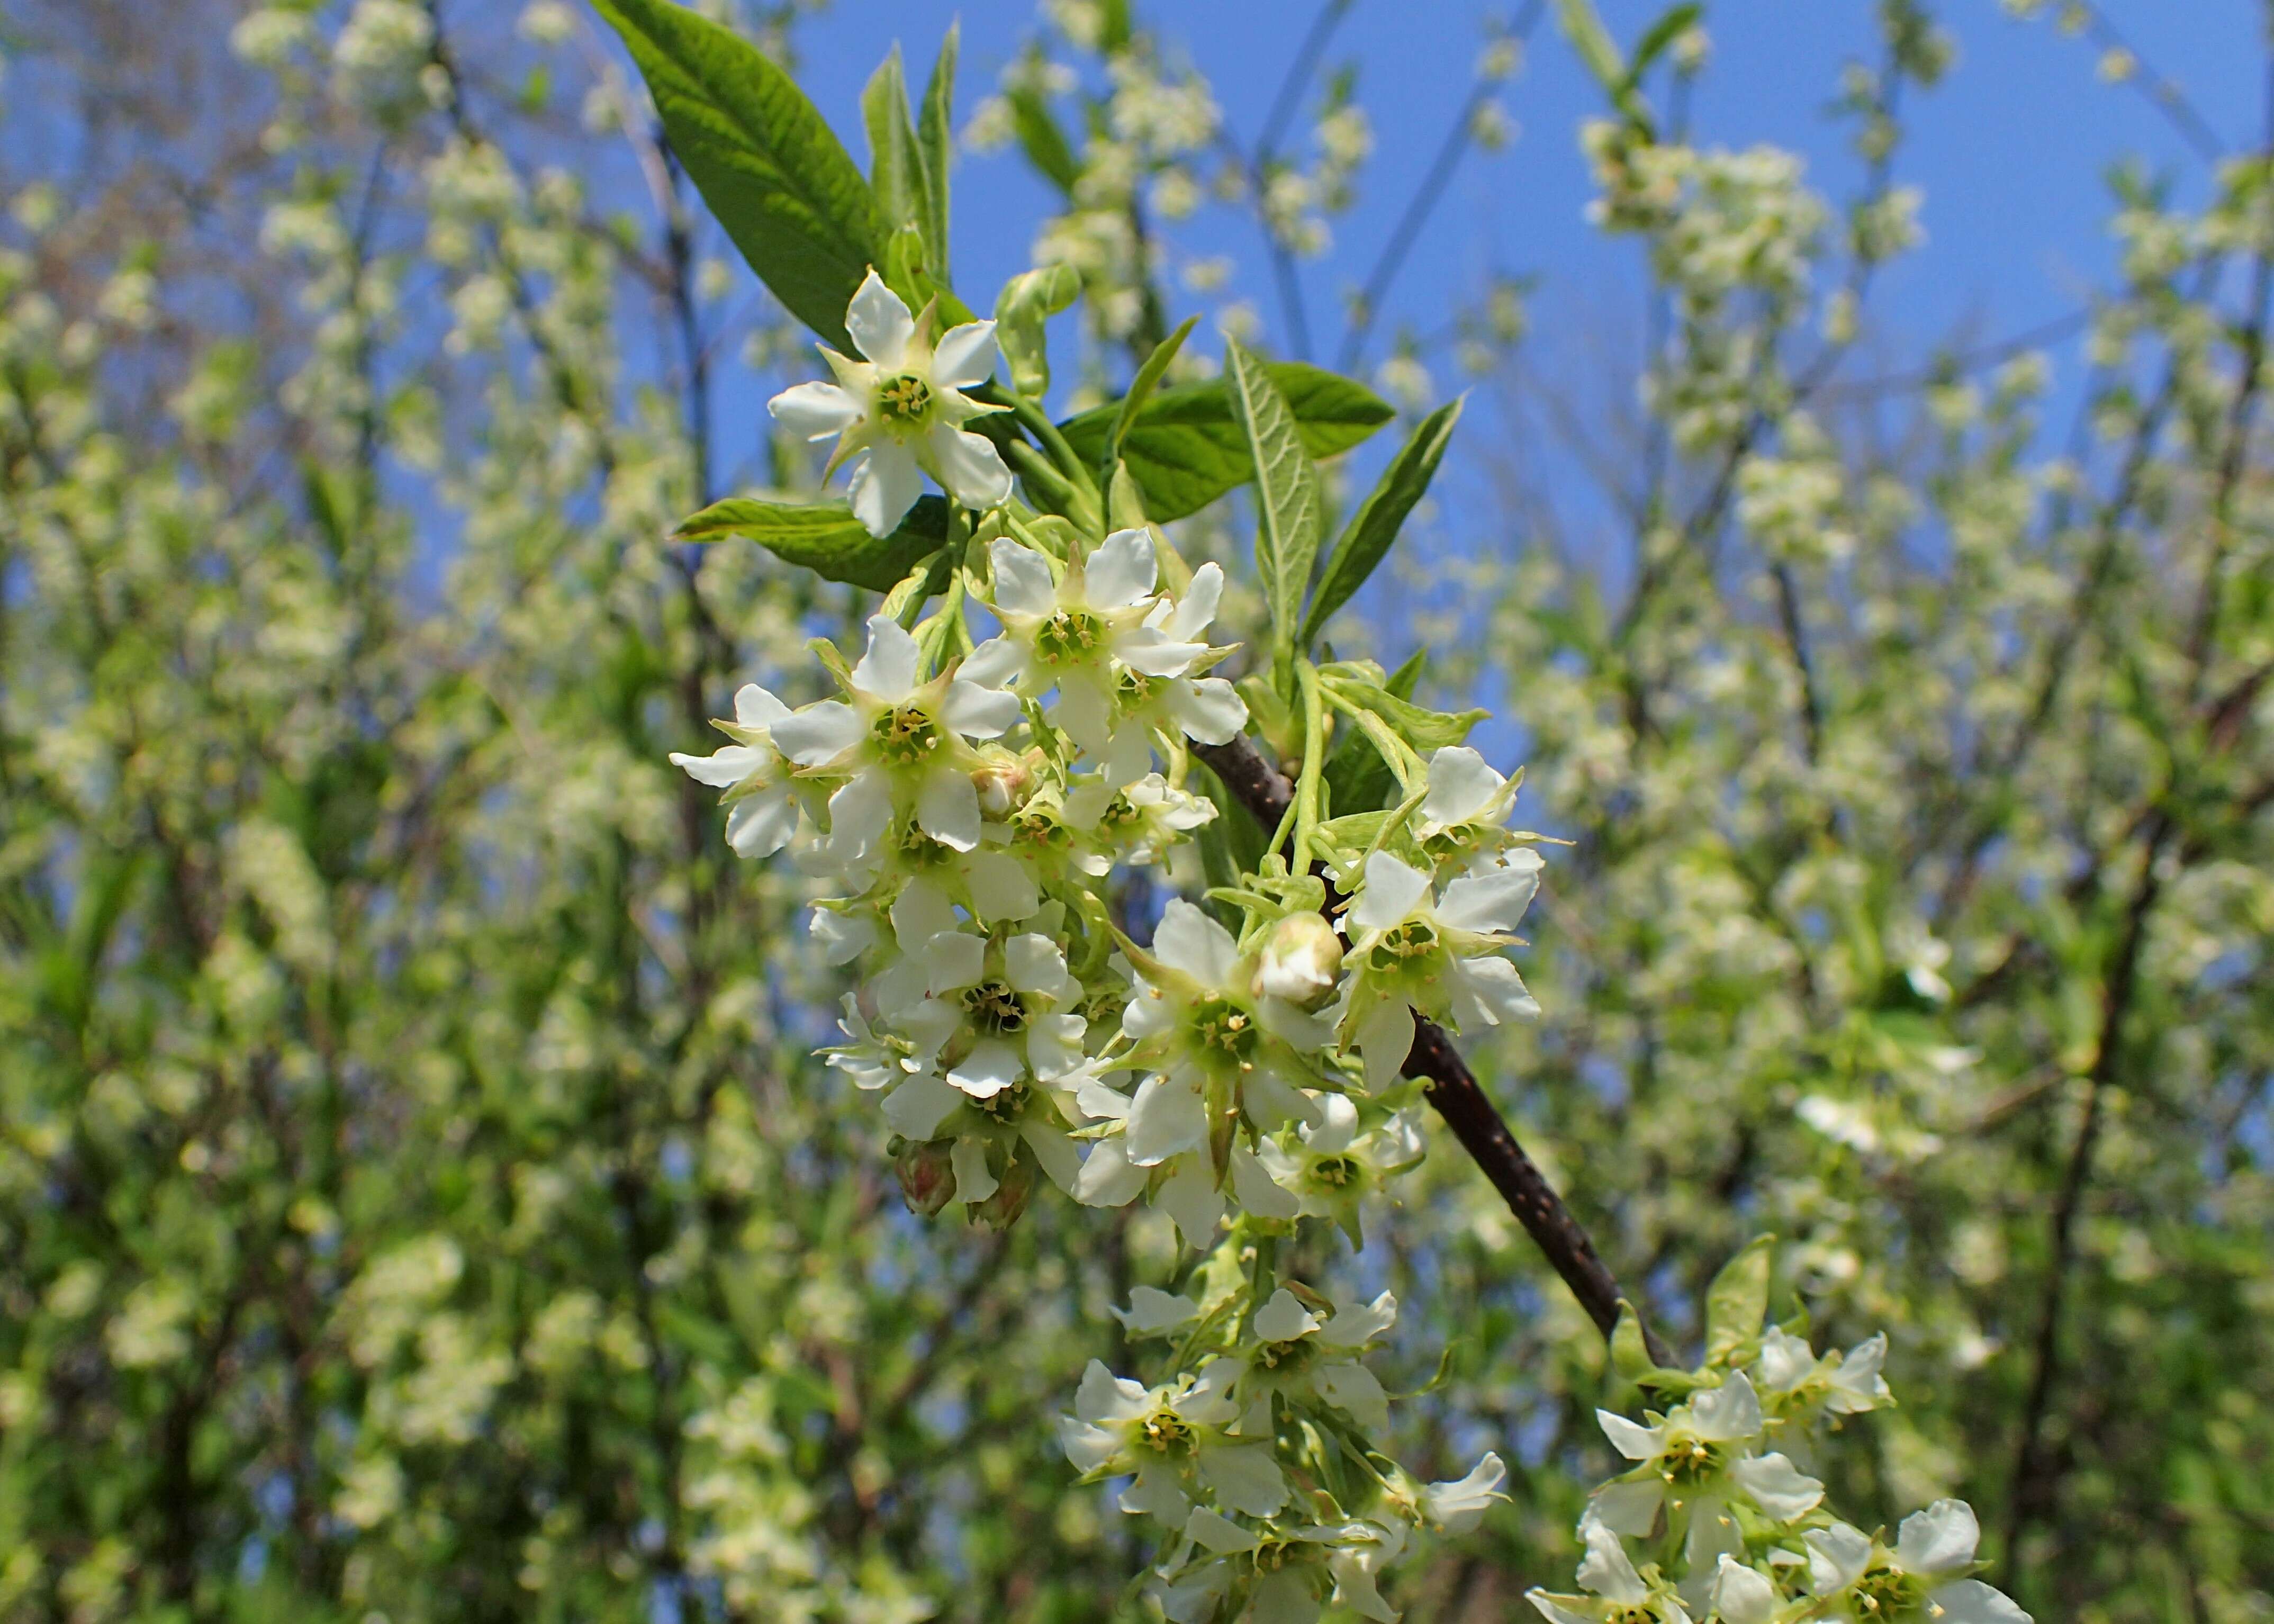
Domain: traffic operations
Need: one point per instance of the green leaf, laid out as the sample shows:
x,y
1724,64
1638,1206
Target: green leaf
x,y
1420,727
1738,1301
825,537
1185,449
1366,539
779,181
1358,779
935,138
1027,301
1040,139
1585,28
1671,24
1290,509
899,172
1141,389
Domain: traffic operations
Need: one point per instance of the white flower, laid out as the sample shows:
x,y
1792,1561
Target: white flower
x,y
1175,1439
1297,1353
986,1134
762,808
1207,1042
1616,1591
1797,1387
1205,709
1438,957
900,408
904,745
1697,1457
1460,1504
1330,1167
1742,1595
1296,1571
1139,822
989,1008
1078,632
1464,811
1924,1576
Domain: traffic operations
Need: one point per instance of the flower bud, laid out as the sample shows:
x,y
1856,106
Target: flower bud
x,y
1001,1210
1302,959
927,1175
1001,780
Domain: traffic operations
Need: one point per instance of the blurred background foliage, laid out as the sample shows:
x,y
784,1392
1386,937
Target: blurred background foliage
x,y
421,1197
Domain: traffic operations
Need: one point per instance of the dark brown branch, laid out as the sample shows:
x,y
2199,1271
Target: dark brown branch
x,y
1459,1098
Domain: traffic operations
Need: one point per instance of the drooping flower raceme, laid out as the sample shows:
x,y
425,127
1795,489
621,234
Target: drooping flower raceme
x,y
975,813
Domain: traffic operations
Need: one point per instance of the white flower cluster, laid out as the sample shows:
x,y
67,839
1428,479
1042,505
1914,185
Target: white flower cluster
x,y
1718,1518
970,806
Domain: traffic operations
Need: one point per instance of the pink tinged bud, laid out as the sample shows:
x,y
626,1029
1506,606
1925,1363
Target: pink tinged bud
x,y
1302,960
927,1175
1001,1210
1002,781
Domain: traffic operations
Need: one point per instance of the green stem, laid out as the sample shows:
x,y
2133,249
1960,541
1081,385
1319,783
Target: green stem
x,y
1307,784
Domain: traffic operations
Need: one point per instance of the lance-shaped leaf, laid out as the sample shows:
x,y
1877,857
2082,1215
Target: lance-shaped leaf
x,y
936,137
1185,449
778,178
1737,1302
1041,139
1366,539
825,537
899,170
1290,509
1141,389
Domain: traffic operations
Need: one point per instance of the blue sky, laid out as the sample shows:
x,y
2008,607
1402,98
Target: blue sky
x,y
2012,150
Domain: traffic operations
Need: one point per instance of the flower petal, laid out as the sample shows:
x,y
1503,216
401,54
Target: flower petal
x,y
964,357
1939,1539
1109,1178
1192,1200
1492,901
815,410
1245,1477
818,734
973,1183
1607,1570
1022,579
1732,1410
887,670
1461,785
1189,941
1166,1117
724,768
1836,1556
1121,571
1208,708
1630,1439
978,712
947,808
1779,1487
1257,1191
1393,889
1001,888
885,485
1197,607
879,322
917,1107
759,825
1969,1601
969,465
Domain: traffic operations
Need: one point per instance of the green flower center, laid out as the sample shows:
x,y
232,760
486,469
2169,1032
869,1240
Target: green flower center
x,y
905,399
1273,1555
1888,1593
1285,1357
905,735
1134,687
919,850
994,1007
1069,638
1165,1432
1691,1461
1120,814
1630,1612
1335,1172
1220,1026
1007,1106
1037,828
1401,943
